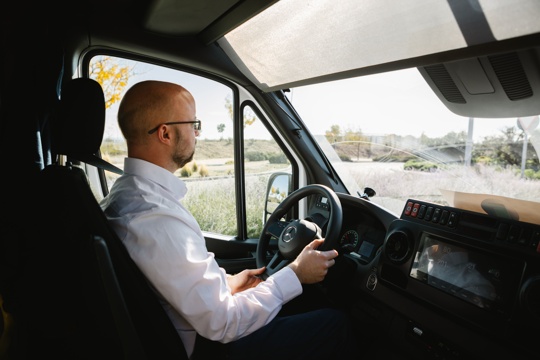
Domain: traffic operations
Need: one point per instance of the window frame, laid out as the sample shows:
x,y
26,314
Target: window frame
x,y
241,98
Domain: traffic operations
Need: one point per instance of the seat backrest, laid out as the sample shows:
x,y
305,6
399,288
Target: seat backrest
x,y
82,296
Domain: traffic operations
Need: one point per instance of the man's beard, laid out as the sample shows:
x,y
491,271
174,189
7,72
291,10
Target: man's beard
x,y
180,159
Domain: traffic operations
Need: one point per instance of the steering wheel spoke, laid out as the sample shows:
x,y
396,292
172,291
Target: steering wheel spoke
x,y
277,263
275,229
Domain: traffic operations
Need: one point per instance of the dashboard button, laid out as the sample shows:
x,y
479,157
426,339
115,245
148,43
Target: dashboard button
x,y
429,213
436,215
452,219
408,208
414,211
444,217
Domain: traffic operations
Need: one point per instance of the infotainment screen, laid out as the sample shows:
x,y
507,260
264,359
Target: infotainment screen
x,y
484,280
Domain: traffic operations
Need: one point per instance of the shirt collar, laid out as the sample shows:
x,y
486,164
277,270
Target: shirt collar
x,y
156,174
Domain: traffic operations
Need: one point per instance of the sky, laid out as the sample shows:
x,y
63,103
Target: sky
x,y
367,99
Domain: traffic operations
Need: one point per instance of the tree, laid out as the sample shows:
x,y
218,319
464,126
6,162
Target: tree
x,y
509,150
450,138
249,115
333,134
111,75
354,135
221,129
229,107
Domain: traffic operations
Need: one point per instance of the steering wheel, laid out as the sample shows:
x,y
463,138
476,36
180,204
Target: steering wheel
x,y
294,235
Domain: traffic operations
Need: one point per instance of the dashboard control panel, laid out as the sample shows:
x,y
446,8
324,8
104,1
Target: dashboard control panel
x,y
477,268
504,231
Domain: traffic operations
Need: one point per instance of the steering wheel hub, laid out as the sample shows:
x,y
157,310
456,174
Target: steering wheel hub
x,y
296,236
288,234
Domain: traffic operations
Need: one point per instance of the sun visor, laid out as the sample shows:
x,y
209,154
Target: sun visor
x,y
295,43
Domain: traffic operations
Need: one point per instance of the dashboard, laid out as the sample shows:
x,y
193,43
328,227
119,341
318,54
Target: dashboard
x,y
442,282
362,238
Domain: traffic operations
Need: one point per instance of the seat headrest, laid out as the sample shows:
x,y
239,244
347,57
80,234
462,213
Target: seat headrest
x,y
81,122
78,130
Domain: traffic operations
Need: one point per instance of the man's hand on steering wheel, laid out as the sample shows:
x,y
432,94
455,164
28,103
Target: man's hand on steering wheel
x,y
311,265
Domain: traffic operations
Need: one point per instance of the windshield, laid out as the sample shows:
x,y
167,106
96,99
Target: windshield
x,y
391,133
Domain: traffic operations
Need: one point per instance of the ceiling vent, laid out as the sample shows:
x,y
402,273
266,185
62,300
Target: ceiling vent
x,y
494,86
511,75
445,84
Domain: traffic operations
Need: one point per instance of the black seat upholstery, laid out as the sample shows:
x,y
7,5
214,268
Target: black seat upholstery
x,y
78,131
83,297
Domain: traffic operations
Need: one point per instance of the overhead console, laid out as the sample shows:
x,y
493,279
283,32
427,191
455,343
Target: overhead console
x,y
474,268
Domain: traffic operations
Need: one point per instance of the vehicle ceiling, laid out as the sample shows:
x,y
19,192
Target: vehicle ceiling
x,y
293,43
297,40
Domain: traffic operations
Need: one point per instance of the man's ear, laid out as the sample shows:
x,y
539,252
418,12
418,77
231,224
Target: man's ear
x,y
164,135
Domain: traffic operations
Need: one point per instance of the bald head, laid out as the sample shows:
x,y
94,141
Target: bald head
x,y
151,104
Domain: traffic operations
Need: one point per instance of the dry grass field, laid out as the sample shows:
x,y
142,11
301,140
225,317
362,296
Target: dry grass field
x,y
393,184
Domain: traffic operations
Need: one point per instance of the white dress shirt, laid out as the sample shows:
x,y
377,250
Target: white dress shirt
x,y
166,242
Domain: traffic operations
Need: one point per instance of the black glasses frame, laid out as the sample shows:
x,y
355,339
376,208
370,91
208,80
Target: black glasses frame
x,y
196,125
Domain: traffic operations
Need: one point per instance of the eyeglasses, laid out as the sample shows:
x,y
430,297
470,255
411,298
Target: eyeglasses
x,y
196,125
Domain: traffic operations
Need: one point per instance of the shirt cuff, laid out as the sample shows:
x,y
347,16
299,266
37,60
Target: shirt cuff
x,y
288,283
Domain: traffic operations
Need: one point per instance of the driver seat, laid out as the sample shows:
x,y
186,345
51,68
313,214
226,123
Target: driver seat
x,y
83,297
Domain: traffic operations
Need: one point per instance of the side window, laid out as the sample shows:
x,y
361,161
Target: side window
x,y
210,177
262,158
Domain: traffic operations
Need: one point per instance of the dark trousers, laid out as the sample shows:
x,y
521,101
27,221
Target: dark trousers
x,y
318,334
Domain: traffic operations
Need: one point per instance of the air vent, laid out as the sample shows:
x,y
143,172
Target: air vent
x,y
445,84
398,247
511,75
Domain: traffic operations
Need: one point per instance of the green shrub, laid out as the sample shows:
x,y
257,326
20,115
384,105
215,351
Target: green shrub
x,y
113,148
421,165
203,171
277,159
531,174
254,156
185,171
394,157
486,160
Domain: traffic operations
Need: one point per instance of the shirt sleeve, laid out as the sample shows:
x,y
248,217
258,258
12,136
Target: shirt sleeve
x,y
172,254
